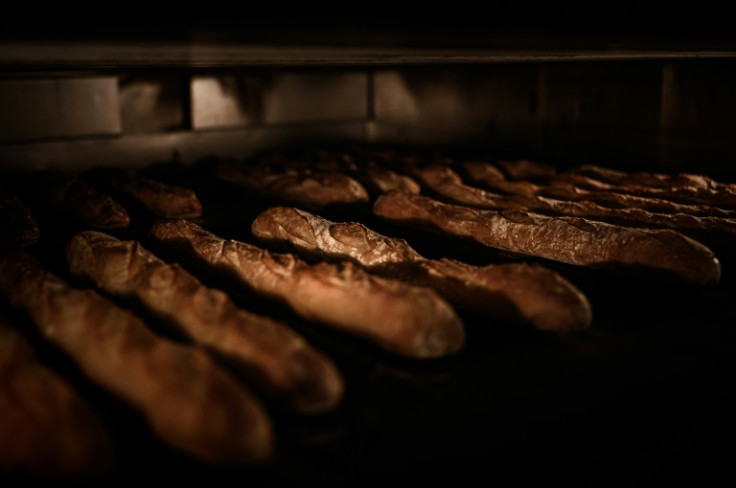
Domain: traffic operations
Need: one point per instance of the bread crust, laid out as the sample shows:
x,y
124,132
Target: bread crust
x,y
278,359
612,199
484,175
82,201
572,240
47,429
167,201
308,189
682,188
189,401
482,172
407,320
651,179
522,293
712,231
526,169
380,180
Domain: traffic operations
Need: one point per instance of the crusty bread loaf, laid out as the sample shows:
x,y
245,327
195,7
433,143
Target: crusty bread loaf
x,y
308,189
514,292
571,240
168,201
683,188
275,356
484,175
46,428
190,402
652,179
527,293
379,180
482,172
318,238
375,178
715,232
611,199
82,201
526,169
441,180
407,320
18,226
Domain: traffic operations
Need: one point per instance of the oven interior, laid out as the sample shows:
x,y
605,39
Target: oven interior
x,y
645,395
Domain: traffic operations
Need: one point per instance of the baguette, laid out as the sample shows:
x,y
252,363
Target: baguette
x,y
406,320
687,189
313,190
189,401
652,180
374,178
487,176
82,201
18,226
379,180
715,232
481,174
275,356
526,169
611,199
572,240
167,201
514,292
46,427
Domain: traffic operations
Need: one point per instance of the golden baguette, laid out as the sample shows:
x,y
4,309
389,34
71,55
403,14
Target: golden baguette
x,y
649,179
482,174
46,428
189,401
274,355
526,169
379,180
612,199
168,201
81,201
645,253
407,320
715,232
682,188
309,189
515,292
485,175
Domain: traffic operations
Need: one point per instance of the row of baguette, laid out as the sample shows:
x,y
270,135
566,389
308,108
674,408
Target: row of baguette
x,y
217,418
674,225
88,200
111,345
48,429
189,401
210,415
676,232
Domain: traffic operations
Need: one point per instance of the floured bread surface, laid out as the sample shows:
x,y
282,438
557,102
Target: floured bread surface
x,y
273,354
510,292
408,320
189,401
569,240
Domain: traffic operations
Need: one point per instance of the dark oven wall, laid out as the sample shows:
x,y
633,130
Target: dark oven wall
x,y
655,114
